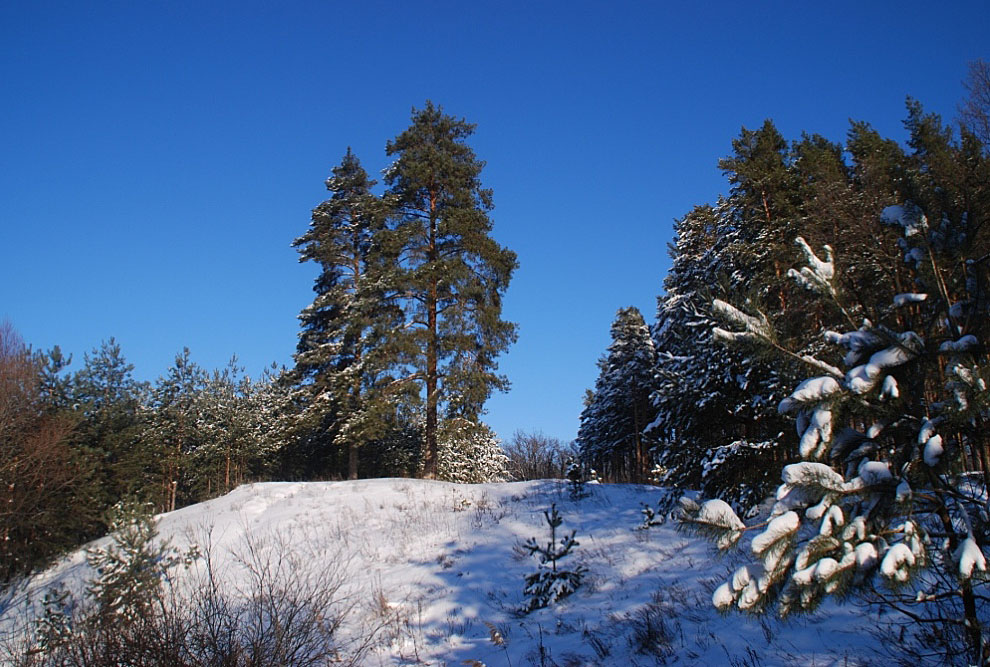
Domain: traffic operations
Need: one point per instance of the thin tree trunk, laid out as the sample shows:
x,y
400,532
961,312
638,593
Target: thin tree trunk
x,y
430,453
352,461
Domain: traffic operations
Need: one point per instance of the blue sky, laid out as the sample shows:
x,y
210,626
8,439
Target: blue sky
x,y
157,159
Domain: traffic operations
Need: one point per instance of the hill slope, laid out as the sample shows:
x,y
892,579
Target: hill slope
x,y
432,573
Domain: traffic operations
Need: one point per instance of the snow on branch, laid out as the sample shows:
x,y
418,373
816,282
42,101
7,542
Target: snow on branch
x,y
818,275
755,328
908,217
714,518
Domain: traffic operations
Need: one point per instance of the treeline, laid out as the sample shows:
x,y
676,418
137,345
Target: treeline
x,y
75,443
395,360
674,404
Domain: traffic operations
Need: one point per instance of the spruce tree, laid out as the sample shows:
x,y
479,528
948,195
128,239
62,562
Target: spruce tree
x,y
610,436
342,357
449,273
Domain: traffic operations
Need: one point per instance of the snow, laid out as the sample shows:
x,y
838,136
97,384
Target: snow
x,y
903,492
889,388
856,342
901,300
719,513
862,379
833,519
875,472
970,558
817,435
933,450
908,217
754,326
866,556
440,560
780,528
812,390
818,275
967,343
896,563
926,431
810,473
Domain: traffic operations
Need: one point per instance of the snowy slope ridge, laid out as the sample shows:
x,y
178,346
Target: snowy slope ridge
x,y
435,571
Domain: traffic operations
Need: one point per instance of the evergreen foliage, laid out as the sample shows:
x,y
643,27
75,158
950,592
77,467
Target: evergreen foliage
x,y
344,390
110,404
469,453
551,583
610,437
132,566
889,497
448,273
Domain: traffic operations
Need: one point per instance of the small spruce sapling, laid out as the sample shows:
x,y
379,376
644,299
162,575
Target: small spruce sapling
x,y
551,583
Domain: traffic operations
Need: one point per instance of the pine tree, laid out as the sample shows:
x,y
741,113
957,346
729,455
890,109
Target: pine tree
x,y
716,421
342,358
450,273
610,436
885,489
113,421
175,430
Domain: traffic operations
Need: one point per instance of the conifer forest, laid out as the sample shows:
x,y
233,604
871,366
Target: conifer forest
x,y
810,398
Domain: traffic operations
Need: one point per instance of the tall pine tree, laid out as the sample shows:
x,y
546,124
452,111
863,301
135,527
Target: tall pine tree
x,y
342,356
450,274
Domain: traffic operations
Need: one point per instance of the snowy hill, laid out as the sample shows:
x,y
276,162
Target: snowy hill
x,y
432,573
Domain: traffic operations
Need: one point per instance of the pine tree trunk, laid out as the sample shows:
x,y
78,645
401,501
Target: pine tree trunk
x,y
430,453
352,461
974,632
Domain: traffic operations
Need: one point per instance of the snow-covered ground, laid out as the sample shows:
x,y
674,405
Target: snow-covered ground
x,y
436,570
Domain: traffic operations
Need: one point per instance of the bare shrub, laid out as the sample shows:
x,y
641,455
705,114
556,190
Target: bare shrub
x,y
287,612
37,471
536,456
974,111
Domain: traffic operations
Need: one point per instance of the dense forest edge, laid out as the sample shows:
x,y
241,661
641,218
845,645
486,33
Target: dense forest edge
x,y
822,325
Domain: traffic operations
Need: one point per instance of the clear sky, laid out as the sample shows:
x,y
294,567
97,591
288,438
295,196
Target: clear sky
x,y
158,158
